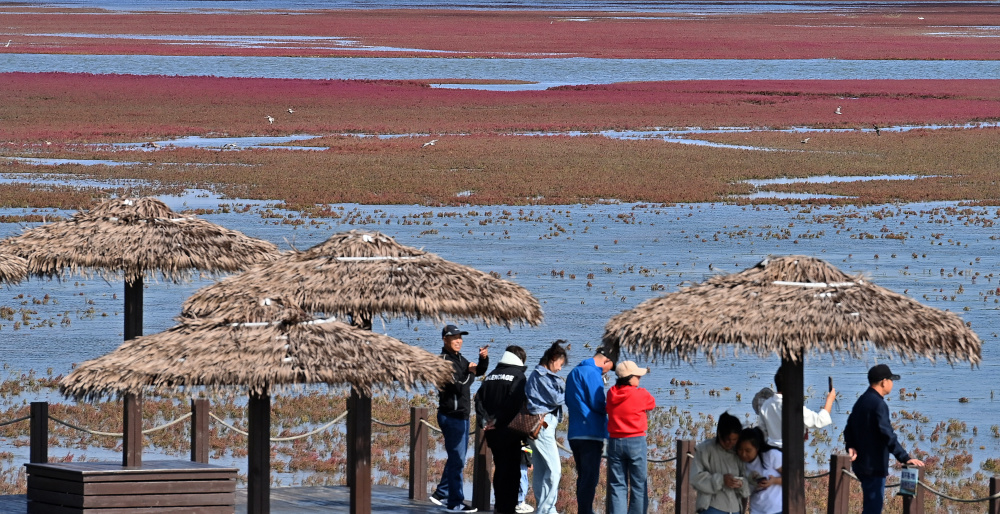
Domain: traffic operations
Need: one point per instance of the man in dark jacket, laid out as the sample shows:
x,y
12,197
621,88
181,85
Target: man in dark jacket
x,y
454,406
870,439
498,401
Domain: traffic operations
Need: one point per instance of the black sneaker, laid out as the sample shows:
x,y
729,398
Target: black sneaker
x,y
438,499
463,508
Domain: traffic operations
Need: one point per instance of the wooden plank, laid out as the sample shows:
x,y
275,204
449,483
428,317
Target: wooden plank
x,y
113,471
133,500
111,488
41,508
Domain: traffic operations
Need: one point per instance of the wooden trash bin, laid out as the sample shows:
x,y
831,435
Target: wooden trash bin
x,y
155,487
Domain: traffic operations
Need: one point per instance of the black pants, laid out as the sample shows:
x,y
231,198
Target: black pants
x,y
506,448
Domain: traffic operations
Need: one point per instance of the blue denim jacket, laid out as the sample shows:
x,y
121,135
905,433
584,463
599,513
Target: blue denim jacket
x,y
546,392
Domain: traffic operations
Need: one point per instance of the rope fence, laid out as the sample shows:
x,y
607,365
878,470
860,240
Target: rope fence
x,y
18,420
317,430
118,434
934,491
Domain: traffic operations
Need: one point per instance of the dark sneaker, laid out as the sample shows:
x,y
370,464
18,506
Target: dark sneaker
x,y
463,508
438,499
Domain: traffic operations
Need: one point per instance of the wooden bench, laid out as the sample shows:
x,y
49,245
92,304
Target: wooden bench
x,y
109,488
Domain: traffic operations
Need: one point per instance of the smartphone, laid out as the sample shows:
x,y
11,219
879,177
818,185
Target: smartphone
x,y
830,382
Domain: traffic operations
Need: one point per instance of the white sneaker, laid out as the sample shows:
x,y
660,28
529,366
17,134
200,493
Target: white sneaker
x,y
523,508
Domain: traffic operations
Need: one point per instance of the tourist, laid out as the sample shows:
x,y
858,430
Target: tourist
x,y
546,395
497,402
453,418
627,405
769,418
717,473
870,439
763,465
588,425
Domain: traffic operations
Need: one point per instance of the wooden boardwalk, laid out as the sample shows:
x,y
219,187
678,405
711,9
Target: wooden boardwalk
x,y
300,500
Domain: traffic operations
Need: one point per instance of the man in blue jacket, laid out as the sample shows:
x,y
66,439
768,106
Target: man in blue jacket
x,y
454,406
588,424
870,439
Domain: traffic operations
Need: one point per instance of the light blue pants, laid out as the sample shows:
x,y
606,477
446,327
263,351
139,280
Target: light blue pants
x,y
545,459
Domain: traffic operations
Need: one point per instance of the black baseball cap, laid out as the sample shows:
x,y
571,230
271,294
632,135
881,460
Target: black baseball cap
x,y
881,372
452,330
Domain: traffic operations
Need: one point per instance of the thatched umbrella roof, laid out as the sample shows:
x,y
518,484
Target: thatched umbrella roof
x,y
259,357
12,268
136,237
365,274
790,306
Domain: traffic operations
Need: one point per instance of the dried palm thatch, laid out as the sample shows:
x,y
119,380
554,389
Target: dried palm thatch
x,y
365,274
12,268
790,306
136,237
259,357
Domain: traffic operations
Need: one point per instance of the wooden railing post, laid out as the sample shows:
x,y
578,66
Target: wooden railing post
x,y
840,485
994,489
132,429
200,443
915,504
684,493
418,453
39,451
259,454
359,451
482,465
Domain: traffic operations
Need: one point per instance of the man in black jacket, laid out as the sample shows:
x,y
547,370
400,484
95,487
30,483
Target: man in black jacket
x,y
453,417
870,439
497,402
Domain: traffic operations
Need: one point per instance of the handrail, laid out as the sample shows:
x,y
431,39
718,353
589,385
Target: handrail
x,y
925,485
317,430
118,434
11,422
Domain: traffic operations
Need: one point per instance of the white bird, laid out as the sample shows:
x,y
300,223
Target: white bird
x,y
290,111
838,110
270,119
804,141
8,43
429,143
920,17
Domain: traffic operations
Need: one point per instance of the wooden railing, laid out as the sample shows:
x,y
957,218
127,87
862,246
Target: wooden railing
x,y
839,476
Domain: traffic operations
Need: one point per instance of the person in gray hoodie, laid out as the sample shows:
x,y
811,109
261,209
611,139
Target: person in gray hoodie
x,y
546,394
718,474
497,402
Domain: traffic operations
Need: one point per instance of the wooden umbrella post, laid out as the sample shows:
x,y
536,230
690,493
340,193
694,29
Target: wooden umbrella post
x,y
259,454
132,404
359,451
793,478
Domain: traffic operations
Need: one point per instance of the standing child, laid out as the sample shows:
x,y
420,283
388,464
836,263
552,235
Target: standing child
x,y
763,464
522,492
627,405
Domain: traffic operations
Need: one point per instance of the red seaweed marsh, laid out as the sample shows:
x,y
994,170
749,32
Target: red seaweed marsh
x,y
593,196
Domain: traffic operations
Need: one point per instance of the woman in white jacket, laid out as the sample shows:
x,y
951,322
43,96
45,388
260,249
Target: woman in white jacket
x,y
718,474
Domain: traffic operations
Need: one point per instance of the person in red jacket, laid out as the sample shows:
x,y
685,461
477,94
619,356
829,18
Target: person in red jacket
x,y
627,406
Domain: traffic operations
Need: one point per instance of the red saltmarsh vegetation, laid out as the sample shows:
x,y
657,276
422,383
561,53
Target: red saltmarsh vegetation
x,y
931,31
96,108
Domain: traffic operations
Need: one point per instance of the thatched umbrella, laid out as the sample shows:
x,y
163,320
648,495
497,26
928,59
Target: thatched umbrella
x,y
366,274
134,238
360,275
790,306
260,357
12,268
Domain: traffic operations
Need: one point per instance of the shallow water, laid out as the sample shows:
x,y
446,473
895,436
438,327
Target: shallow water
x,y
546,72
946,258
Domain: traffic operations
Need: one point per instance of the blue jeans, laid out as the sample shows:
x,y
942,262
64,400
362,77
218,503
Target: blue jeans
x,y
456,443
587,456
548,468
872,494
522,491
627,466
